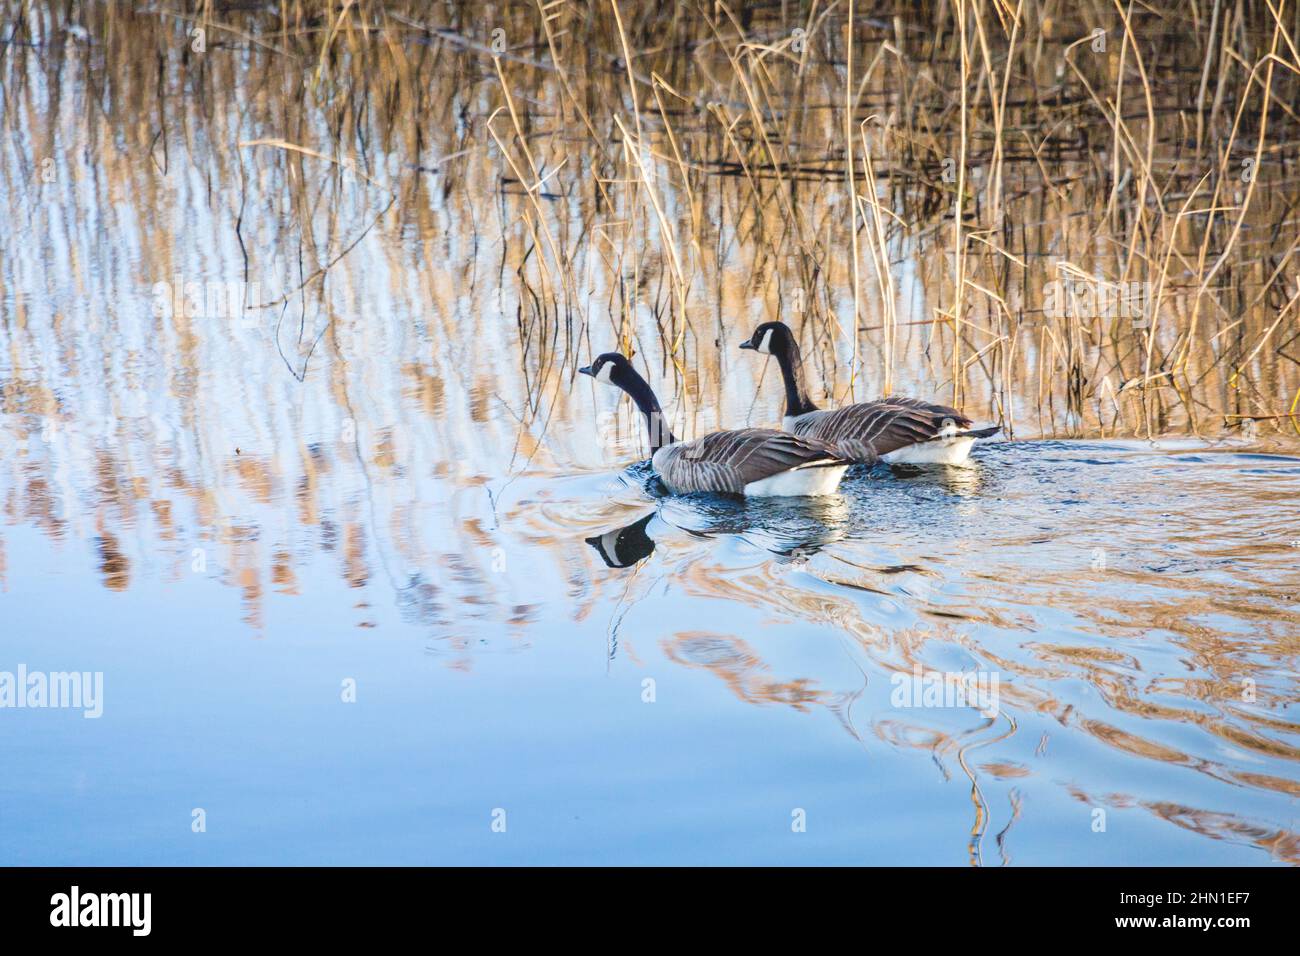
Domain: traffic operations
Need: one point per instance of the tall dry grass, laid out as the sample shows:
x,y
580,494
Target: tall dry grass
x,y
901,187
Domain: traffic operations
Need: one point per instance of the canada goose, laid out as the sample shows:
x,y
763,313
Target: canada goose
x,y
896,430
796,529
750,461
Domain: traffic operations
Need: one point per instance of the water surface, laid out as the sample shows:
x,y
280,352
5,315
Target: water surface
x,y
1122,593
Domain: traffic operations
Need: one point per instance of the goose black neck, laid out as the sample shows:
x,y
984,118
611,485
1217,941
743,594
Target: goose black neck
x,y
790,359
644,396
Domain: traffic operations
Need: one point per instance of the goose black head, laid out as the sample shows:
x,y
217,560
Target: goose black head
x,y
770,338
612,369
776,339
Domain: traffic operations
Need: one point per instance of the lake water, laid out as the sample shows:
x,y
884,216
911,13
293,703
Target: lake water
x,y
350,570
1122,594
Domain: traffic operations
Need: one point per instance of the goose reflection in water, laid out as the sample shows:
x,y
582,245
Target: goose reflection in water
x,y
964,480
792,530
626,546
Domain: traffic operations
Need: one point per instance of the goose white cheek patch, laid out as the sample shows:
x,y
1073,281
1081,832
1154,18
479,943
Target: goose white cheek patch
x,y
606,373
765,345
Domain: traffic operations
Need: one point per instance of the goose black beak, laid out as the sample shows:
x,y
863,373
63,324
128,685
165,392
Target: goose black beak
x,y
585,370
746,345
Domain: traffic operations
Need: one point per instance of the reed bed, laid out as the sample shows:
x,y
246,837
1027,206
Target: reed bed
x,y
1073,219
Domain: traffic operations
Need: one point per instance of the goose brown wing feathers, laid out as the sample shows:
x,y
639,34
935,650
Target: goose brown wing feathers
x,y
869,430
728,461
